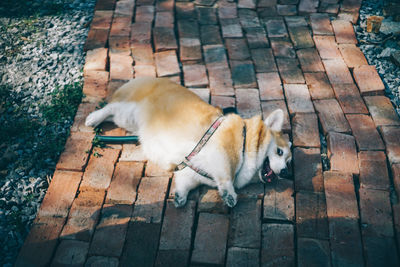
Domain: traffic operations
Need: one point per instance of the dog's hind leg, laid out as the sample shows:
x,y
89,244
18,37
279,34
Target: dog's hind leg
x,y
184,182
98,116
227,192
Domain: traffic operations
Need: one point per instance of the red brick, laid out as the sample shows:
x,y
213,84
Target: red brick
x,y
248,102
243,74
41,242
279,201
141,33
165,5
308,6
190,49
308,169
263,60
321,24
95,84
296,21
188,29
153,170
215,56
210,35
210,240
145,71
380,251
203,93
144,14
101,20
348,16
238,257
337,71
237,49
318,85
396,181
290,71
382,110
270,86
124,8
96,59
220,80
365,133
60,194
97,38
121,67
298,98
310,60
276,28
351,5
109,237
368,80
282,48
74,157
349,98
376,213
352,55
71,253
166,63
344,32
278,245
256,37
269,106
100,169
105,5
195,75
391,136
206,15
84,109
164,19
253,190
121,26
111,88
150,201
83,216
327,47
222,101
142,54
164,39
313,252
311,218
328,8
305,130
184,10
301,37
373,170
342,153
231,28
132,152
119,44
210,201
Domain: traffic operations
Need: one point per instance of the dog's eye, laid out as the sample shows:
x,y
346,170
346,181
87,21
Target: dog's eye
x,y
279,152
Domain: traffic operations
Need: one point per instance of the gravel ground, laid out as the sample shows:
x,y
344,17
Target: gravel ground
x,y
379,54
41,59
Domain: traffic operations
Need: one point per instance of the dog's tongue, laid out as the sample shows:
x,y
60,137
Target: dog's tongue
x,y
267,172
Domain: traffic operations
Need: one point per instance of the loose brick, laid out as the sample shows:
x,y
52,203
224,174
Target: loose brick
x,y
373,170
298,98
311,218
344,32
278,244
231,28
365,133
340,196
318,85
101,19
276,28
238,257
121,26
102,261
256,37
270,86
313,252
308,6
352,55
150,201
269,106
237,49
184,10
310,60
211,202
60,194
96,59
121,67
210,35
97,38
166,63
210,240
308,169
74,157
141,33
342,153
263,60
305,130
243,74
327,47
190,49
164,39
71,252
290,71
164,19
282,48
95,84
195,75
247,102
321,24
337,71
391,136
380,251
382,110
349,98
301,37
368,80
206,15
279,201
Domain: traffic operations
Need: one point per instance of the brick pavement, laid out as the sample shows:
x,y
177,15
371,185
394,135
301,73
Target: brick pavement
x,y
298,55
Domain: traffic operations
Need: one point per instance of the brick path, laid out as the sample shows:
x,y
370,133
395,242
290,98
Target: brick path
x,y
117,209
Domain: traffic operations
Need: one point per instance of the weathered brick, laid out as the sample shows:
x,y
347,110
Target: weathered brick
x,y
269,106
243,74
276,28
318,85
308,169
150,201
74,157
215,56
301,37
391,136
121,67
190,49
290,71
337,71
101,261
195,75
154,170
248,18
145,71
211,238
206,15
211,202
178,258
121,26
97,38
247,4
298,98
105,5
278,245
296,21
282,48
144,14
231,28
382,110
396,182
365,133
313,252
238,257
84,109
228,11
279,201
380,251
141,33
96,59
132,152
368,80
286,10
344,32
256,37
305,130
166,63
266,3
270,86
164,19
60,194
349,98
351,5
184,10
95,83
352,55
245,224
203,93
165,5
321,24
308,6
210,35
220,80
253,191
263,60
328,8
111,88
222,101
142,54
237,49
124,8
373,170
164,39
71,253
311,218
342,153
310,60
102,19
327,47
248,102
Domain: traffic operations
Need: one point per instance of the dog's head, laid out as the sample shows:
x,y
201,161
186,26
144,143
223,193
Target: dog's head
x,y
278,153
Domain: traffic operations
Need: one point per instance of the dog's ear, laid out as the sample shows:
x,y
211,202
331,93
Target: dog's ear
x,y
275,120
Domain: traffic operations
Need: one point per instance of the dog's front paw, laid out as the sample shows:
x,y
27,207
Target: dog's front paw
x,y
91,120
179,201
229,199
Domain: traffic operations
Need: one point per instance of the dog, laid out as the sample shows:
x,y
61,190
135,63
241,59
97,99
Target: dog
x,y
170,120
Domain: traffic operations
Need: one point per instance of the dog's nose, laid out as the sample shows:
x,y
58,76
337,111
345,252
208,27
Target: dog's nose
x,y
284,173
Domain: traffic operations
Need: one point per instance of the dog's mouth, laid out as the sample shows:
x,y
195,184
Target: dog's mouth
x,y
267,174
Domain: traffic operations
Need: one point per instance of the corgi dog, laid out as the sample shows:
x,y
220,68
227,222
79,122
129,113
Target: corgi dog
x,y
171,120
